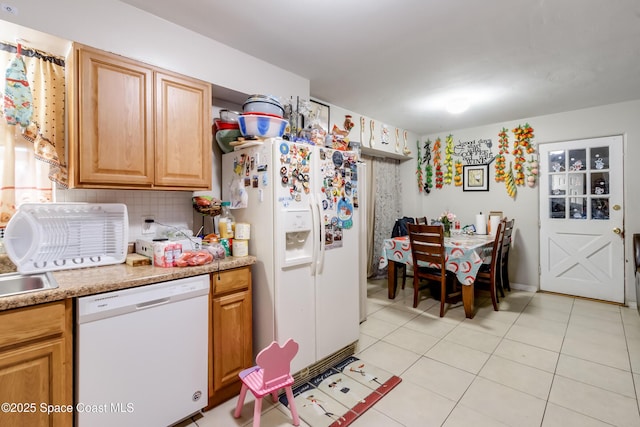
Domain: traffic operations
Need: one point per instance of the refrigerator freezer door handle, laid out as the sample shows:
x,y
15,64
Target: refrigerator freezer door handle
x,y
314,234
323,236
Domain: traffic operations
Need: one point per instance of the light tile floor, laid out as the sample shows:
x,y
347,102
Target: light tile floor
x,y
542,360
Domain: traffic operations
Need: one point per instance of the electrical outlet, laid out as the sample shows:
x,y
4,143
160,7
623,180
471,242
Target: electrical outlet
x,y
148,224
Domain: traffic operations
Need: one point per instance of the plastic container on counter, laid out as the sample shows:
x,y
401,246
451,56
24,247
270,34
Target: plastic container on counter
x,y
226,223
240,248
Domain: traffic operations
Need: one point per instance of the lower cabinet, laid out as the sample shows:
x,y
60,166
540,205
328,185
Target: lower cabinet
x,y
36,366
231,331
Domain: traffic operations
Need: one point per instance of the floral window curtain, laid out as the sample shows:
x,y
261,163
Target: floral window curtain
x,y
32,150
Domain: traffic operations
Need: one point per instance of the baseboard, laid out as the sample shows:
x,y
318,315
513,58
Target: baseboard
x,y
523,287
323,364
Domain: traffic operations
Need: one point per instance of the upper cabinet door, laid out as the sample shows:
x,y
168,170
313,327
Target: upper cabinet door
x,y
115,120
183,132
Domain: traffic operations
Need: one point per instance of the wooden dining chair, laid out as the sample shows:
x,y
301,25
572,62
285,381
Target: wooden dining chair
x,y
489,273
403,267
504,256
429,261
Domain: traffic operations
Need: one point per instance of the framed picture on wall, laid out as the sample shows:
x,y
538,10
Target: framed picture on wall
x,y
321,111
475,177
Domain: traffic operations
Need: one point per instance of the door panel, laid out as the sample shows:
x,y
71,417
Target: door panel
x,y
581,220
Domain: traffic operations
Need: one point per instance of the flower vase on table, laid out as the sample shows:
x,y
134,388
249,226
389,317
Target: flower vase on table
x,y
447,219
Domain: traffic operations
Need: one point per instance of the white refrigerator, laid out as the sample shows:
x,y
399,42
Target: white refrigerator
x,y
302,203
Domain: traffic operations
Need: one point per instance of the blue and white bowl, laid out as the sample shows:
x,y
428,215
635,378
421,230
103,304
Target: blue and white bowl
x,y
262,126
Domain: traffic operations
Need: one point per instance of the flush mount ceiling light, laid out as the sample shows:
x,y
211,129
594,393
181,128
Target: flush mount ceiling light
x,y
457,106
459,101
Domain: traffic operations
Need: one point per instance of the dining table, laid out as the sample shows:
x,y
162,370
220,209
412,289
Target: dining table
x,y
465,254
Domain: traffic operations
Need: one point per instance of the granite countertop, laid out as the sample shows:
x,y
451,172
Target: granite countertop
x,y
95,280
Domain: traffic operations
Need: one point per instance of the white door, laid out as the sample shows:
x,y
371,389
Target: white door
x,y
581,218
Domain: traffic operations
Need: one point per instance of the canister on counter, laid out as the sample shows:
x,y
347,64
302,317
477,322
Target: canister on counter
x,y
243,231
240,248
227,244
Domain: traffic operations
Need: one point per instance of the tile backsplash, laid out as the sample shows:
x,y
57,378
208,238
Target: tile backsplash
x,y
168,207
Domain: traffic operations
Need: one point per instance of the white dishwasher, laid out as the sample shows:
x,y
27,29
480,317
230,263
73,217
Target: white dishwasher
x,y
141,354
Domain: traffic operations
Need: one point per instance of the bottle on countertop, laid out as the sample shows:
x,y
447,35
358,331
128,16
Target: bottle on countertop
x,y
226,223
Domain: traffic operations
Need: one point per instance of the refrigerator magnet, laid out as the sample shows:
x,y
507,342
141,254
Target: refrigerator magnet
x,y
345,213
284,148
337,158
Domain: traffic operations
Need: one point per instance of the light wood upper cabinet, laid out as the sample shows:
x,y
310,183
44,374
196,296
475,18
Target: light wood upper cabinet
x,y
183,131
136,126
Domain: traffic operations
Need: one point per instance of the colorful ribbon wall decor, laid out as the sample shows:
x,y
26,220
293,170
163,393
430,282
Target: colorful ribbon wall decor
x,y
503,146
428,184
448,161
437,162
419,168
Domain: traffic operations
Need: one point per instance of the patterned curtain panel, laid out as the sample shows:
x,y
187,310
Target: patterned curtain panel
x,y
386,204
32,138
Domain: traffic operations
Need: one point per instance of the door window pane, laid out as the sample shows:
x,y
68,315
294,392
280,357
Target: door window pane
x,y
600,183
557,161
577,160
557,184
599,208
578,207
557,207
600,158
577,184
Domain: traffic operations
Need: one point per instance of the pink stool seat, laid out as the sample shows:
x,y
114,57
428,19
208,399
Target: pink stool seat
x,y
271,373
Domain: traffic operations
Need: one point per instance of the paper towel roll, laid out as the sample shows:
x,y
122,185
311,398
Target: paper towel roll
x,y
481,224
493,224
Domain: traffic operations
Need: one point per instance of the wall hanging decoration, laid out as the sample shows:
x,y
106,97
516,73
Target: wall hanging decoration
x,y
428,183
510,183
384,134
419,173
524,134
532,169
362,130
405,150
523,143
372,138
503,146
475,151
457,179
437,162
448,160
475,177
397,140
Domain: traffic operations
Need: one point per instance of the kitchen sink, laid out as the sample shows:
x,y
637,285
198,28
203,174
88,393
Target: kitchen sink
x,y
16,283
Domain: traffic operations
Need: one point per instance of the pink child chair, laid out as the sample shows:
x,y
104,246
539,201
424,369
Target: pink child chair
x,y
270,374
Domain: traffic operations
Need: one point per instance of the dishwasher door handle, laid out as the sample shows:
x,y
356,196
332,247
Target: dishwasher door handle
x,y
152,303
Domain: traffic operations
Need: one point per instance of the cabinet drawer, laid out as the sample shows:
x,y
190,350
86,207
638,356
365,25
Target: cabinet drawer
x,y
231,280
24,324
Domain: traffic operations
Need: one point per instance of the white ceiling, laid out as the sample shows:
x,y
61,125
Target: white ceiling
x,y
397,60
392,60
